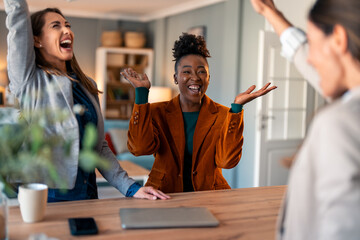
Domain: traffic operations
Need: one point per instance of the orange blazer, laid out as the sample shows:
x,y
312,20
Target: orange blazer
x,y
158,129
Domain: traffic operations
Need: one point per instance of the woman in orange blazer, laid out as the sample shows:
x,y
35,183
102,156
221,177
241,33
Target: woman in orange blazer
x,y
191,136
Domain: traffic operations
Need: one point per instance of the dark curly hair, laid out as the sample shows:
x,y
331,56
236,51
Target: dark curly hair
x,y
189,44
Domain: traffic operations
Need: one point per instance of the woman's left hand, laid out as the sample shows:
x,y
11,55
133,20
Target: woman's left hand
x,y
150,193
260,6
248,95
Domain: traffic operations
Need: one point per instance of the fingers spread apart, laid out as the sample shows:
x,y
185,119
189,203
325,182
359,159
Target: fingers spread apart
x,y
151,194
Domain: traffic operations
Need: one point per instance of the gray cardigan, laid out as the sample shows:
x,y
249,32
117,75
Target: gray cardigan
x,y
35,89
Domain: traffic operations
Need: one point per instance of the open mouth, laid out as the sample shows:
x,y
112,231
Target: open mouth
x,y
195,88
66,44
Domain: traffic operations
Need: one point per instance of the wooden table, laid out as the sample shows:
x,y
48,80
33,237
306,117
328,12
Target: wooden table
x,y
248,213
105,190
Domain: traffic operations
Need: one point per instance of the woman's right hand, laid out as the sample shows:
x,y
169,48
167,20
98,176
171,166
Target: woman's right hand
x,y
260,6
268,9
136,79
151,194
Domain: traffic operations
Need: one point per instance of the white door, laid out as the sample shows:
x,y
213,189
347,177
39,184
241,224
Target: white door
x,y
283,115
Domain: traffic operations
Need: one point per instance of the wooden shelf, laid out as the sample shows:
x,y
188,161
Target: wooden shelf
x,y
118,96
116,103
119,84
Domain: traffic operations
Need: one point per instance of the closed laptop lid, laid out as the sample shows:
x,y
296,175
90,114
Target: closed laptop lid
x,y
181,217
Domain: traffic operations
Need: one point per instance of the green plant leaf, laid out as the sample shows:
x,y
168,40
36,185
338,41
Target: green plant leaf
x,y
36,138
28,146
90,136
89,160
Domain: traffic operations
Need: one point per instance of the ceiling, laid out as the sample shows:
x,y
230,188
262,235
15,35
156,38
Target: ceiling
x,y
135,10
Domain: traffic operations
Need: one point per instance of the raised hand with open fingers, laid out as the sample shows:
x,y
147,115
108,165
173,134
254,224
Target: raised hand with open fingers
x,y
150,193
268,9
262,5
136,79
249,95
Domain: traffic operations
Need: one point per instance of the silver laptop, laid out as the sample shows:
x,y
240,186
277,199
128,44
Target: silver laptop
x,y
181,217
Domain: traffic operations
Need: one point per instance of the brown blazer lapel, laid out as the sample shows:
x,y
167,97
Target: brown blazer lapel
x,y
206,120
176,125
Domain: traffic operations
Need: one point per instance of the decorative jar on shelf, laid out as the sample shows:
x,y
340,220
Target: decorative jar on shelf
x,y
135,39
111,39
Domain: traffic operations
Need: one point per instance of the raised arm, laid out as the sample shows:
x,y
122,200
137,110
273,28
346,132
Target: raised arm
x,y
21,54
142,135
293,40
229,146
275,17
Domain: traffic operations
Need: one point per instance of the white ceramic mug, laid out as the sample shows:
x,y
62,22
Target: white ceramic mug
x,y
32,199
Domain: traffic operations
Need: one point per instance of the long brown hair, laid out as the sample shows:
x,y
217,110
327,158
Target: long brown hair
x,y
37,23
325,14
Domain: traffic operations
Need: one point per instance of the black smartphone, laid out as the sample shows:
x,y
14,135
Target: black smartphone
x,y
82,226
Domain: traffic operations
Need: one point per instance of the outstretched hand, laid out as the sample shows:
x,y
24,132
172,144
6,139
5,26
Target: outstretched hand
x,y
248,95
136,79
260,6
150,193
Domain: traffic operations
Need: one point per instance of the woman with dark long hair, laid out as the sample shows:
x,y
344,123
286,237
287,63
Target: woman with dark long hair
x,y
323,197
44,74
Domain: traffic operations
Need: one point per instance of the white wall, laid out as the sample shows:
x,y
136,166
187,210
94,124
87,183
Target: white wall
x,y
84,42
251,24
295,11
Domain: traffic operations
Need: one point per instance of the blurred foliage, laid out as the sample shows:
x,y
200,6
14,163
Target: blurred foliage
x,y
27,147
